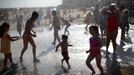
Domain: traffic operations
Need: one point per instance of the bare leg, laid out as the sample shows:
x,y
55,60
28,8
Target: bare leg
x,y
102,34
67,61
10,58
86,27
114,41
65,30
57,35
98,62
34,49
62,61
54,37
5,60
68,32
107,44
25,43
88,61
114,45
128,28
122,33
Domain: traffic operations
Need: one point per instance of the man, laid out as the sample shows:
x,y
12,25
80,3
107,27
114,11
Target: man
x,y
112,26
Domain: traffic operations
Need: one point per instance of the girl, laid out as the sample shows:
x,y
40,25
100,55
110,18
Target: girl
x,y
5,45
95,45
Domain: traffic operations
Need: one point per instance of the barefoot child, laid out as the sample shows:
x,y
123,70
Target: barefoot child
x,y
67,24
64,49
6,45
56,27
95,45
28,35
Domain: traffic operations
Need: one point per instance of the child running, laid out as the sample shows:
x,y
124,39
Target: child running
x,y
95,45
66,22
64,50
6,46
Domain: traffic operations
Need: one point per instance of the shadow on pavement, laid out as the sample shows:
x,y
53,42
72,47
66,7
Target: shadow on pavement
x,y
62,71
124,55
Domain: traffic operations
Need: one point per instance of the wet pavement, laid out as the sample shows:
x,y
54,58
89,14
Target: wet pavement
x,y
50,62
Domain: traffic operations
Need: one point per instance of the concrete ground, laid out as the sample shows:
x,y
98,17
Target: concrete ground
x,y
50,62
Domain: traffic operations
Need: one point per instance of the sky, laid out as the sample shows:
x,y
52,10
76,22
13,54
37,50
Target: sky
x,y
28,3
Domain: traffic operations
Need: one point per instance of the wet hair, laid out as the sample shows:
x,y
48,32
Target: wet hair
x,y
95,28
53,12
35,14
64,37
3,28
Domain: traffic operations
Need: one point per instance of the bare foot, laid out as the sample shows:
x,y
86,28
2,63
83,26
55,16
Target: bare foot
x,y
101,73
21,59
93,73
36,60
69,67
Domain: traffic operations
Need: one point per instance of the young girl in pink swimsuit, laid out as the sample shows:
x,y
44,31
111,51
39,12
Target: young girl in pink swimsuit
x,y
95,45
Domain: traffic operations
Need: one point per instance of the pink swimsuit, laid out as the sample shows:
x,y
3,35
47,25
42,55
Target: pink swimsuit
x,y
94,42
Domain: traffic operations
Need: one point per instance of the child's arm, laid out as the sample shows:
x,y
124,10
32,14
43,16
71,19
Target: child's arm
x,y
93,48
12,38
88,51
51,27
57,47
34,33
70,45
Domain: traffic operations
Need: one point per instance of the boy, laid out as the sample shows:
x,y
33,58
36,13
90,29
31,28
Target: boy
x,y
64,49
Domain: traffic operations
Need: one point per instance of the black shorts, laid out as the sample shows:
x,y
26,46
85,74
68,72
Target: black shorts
x,y
65,55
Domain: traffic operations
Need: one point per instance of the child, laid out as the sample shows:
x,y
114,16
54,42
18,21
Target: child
x,y
28,35
55,26
88,20
124,23
64,49
65,22
95,45
5,45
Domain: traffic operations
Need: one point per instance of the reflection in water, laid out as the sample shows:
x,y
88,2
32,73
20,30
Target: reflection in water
x,y
124,54
113,67
63,70
25,71
35,71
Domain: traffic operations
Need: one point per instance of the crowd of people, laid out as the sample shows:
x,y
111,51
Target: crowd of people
x,y
107,19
